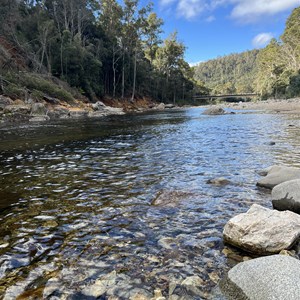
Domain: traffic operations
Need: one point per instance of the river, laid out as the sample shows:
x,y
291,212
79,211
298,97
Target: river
x,y
77,218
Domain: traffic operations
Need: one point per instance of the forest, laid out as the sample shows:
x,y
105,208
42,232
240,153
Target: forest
x,y
91,49
99,48
272,72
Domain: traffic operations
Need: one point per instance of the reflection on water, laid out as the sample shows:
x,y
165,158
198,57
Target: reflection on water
x,y
76,217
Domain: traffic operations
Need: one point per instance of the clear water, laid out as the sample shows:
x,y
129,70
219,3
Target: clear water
x,y
76,200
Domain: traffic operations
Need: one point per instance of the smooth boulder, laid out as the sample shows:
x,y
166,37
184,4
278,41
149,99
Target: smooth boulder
x,y
278,174
218,181
171,198
99,105
214,111
264,278
263,231
38,109
286,196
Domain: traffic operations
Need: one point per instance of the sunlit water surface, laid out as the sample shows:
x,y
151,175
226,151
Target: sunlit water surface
x,y
76,201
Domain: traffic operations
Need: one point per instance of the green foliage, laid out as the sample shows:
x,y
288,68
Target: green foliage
x,y
270,72
293,90
234,73
35,83
100,47
279,62
13,91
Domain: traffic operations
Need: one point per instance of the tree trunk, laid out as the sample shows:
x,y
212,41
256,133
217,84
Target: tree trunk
x,y
123,74
134,75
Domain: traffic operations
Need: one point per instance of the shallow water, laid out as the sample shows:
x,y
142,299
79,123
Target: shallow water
x,y
76,211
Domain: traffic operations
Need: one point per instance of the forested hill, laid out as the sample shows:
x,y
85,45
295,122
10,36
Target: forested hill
x,y
234,73
273,71
99,48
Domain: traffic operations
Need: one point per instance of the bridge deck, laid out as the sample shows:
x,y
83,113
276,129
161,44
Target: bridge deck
x,y
225,96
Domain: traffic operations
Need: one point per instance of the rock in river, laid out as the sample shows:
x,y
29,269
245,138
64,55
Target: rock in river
x,y
278,174
214,111
218,181
264,278
286,196
263,231
171,198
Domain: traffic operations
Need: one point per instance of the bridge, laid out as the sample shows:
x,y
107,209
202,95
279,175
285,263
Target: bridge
x,y
245,95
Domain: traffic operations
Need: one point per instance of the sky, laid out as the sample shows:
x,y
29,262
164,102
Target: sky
x,y
212,28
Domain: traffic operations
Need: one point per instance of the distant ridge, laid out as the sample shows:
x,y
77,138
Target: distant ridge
x,y
234,73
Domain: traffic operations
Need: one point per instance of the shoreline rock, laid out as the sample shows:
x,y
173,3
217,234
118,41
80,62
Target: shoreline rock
x,y
213,111
277,174
263,231
286,196
264,278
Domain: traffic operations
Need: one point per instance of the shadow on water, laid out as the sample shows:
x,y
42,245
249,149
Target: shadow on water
x,y
119,206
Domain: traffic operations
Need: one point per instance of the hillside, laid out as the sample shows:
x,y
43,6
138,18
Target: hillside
x,y
234,73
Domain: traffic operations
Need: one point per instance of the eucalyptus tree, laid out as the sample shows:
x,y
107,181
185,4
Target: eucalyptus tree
x,y
110,19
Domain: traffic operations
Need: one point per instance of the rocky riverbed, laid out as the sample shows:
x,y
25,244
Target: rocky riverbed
x,y
263,231
133,206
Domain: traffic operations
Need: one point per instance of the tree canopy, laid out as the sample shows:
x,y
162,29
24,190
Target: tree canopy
x,y
101,47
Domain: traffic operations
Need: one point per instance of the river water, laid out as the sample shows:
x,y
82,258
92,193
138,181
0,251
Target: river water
x,y
118,207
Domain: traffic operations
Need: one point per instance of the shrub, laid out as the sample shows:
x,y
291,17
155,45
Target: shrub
x,y
38,85
13,91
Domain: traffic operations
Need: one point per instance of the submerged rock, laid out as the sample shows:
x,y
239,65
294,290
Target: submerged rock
x,y
278,174
214,111
171,198
218,181
264,278
286,196
263,231
101,285
168,243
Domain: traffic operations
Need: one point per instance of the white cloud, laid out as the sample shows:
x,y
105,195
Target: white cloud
x,y
245,11
251,11
262,39
193,64
210,19
189,9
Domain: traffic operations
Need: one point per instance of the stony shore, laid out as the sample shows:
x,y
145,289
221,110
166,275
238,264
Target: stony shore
x,y
262,232
271,105
19,111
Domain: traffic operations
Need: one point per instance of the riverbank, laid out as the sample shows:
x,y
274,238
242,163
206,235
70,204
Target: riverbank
x,y
19,111
270,105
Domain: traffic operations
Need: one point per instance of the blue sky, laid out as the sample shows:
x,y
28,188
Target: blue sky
x,y
212,28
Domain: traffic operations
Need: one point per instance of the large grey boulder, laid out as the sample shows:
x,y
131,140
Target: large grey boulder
x,y
275,277
278,174
214,111
17,109
38,109
263,231
99,105
160,106
286,196
4,101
